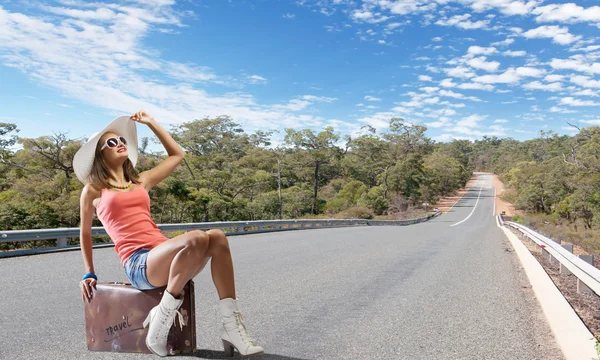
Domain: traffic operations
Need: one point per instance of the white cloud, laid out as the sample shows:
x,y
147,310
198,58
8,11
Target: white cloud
x,y
588,48
256,79
469,125
529,71
461,21
585,81
569,13
443,121
587,92
425,78
319,98
559,35
506,42
392,26
577,63
556,109
554,78
510,76
362,15
476,86
437,39
381,120
429,89
478,50
500,121
432,69
536,85
372,98
591,122
515,53
460,72
447,83
481,63
288,16
102,61
452,94
577,102
431,101
507,7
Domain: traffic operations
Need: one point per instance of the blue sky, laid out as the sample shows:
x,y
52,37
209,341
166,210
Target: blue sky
x,y
464,68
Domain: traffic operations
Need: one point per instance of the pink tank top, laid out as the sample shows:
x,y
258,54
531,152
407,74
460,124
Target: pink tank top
x,y
126,219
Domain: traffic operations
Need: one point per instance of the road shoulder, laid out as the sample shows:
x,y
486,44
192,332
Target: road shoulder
x,y
572,336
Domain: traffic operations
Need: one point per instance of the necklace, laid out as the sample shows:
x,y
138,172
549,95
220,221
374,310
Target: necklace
x,y
122,187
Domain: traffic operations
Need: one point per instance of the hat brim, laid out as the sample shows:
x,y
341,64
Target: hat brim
x,y
84,158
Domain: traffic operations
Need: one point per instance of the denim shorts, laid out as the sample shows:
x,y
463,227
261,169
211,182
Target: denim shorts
x,y
135,268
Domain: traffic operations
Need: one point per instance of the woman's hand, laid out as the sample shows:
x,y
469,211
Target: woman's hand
x,y
86,289
142,117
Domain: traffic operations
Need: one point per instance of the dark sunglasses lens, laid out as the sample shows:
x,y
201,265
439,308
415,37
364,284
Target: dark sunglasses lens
x,y
123,140
112,142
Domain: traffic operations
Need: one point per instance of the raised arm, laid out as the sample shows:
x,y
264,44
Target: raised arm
x,y
175,153
86,209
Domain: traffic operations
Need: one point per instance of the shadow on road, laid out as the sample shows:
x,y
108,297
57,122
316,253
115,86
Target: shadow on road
x,y
212,354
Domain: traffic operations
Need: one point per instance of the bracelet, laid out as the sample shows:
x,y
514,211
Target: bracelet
x,y
89,275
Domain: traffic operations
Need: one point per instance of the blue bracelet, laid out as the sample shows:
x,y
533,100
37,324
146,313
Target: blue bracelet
x,y
89,275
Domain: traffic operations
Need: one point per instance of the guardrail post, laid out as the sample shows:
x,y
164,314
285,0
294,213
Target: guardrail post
x,y
241,228
582,288
563,268
62,241
260,227
546,254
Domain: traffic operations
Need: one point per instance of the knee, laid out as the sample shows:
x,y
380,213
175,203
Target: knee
x,y
198,241
218,240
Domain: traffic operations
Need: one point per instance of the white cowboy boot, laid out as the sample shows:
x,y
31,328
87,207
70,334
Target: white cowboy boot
x,y
233,333
161,318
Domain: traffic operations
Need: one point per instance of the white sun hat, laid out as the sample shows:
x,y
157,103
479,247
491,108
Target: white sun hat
x,y
84,158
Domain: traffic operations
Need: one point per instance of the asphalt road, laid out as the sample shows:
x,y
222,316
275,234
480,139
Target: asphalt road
x,y
450,288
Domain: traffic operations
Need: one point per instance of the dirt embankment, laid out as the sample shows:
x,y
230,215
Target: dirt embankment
x,y
502,205
446,202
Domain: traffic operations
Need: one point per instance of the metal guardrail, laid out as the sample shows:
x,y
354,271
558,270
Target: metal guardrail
x,y
584,271
241,227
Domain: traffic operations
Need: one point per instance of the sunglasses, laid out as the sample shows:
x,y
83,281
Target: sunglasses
x,y
112,142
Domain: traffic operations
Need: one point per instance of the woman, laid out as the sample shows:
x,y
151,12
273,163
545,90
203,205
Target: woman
x,y
105,164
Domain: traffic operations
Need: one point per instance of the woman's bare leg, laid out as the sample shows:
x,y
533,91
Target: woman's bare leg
x,y
177,260
221,266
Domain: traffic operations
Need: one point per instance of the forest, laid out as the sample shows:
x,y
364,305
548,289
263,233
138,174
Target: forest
x,y
230,175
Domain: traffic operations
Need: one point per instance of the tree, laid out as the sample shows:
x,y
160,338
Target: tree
x,y
318,150
406,147
365,159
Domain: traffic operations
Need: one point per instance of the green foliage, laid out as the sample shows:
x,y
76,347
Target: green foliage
x,y
231,175
375,200
518,219
356,212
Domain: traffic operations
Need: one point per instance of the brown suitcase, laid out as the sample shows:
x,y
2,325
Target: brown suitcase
x,y
114,318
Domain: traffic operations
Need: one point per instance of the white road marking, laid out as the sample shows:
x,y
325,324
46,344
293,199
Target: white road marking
x,y
460,198
472,211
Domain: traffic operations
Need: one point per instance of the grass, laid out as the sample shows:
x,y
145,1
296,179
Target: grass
x,y
571,232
